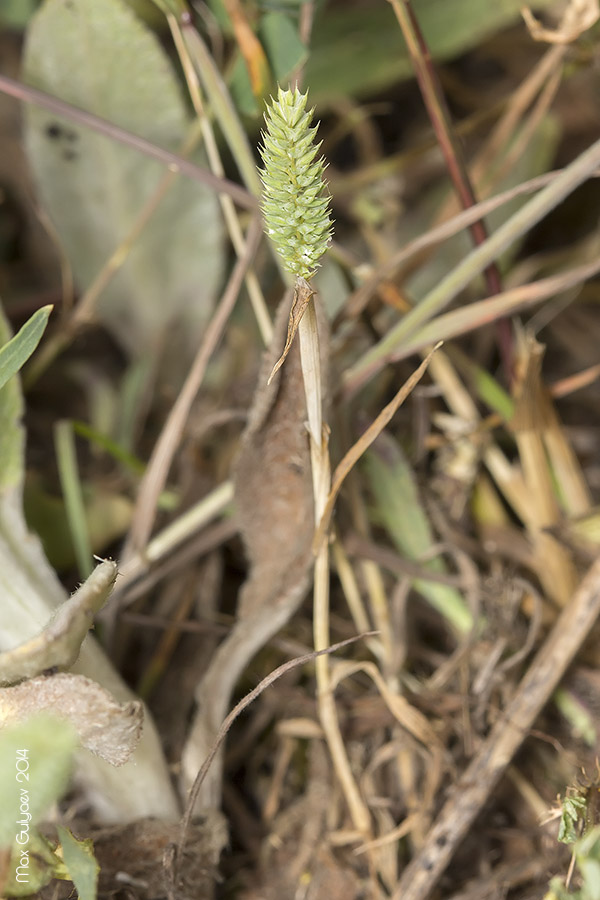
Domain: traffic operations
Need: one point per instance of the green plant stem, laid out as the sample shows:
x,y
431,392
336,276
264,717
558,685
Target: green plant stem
x,y
64,442
472,265
222,105
308,335
226,115
232,222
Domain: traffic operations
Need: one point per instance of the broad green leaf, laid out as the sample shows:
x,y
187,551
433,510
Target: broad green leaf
x,y
241,89
81,864
98,56
284,48
399,509
15,352
16,13
35,766
356,51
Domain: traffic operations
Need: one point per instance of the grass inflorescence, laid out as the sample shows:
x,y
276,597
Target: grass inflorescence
x,y
295,205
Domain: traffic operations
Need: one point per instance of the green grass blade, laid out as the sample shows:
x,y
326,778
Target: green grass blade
x,y
15,353
472,265
64,442
399,509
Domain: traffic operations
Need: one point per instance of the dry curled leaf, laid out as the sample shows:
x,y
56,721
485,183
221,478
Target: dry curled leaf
x,y
274,500
579,16
365,440
108,729
58,644
302,294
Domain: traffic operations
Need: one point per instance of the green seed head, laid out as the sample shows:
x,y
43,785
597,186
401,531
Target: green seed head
x,y
295,205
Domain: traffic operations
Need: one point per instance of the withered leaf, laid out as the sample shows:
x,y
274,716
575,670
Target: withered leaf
x,y
274,500
108,729
364,442
58,644
302,294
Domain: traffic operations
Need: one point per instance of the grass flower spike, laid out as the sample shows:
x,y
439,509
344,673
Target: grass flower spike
x,y
295,208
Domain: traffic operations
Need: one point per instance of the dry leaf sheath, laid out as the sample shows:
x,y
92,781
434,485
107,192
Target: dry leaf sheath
x,y
276,514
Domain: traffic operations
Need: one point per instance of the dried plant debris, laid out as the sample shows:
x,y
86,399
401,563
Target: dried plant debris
x,y
131,857
58,644
108,729
131,860
296,859
273,491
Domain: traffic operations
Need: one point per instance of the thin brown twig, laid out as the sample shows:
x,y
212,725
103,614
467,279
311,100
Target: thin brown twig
x,y
222,733
357,301
177,163
362,444
129,589
159,465
435,103
357,546
486,768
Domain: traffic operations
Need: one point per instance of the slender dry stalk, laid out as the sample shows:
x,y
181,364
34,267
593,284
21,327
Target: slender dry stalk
x,y
176,163
232,222
439,114
159,465
298,222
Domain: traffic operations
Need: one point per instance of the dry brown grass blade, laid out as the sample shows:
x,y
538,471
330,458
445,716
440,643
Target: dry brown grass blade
x,y
482,312
274,501
357,301
530,423
302,294
408,716
355,452
578,17
486,768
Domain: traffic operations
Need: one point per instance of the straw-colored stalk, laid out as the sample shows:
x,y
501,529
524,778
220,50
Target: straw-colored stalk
x,y
296,210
